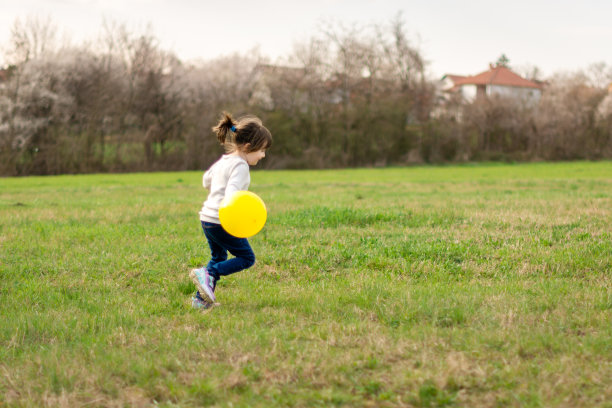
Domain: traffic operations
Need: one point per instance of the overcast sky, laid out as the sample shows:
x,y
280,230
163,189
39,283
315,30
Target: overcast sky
x,y
459,37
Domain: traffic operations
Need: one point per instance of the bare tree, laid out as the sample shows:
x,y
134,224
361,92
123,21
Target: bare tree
x,y
599,75
530,72
566,118
31,39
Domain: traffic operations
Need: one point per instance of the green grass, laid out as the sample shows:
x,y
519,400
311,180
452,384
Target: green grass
x,y
475,286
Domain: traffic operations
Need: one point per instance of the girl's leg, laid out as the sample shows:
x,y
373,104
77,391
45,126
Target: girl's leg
x,y
208,280
239,247
217,252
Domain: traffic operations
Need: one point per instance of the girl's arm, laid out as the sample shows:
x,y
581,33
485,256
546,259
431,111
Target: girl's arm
x,y
238,180
207,179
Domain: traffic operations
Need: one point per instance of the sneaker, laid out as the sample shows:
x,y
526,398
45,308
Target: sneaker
x,y
198,303
205,284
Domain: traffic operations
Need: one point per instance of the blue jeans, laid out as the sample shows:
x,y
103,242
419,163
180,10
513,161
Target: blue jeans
x,y
221,243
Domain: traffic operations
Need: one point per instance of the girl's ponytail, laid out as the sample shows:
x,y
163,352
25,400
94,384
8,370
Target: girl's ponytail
x,y
249,134
223,127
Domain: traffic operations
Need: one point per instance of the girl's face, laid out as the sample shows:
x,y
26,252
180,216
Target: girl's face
x,y
254,157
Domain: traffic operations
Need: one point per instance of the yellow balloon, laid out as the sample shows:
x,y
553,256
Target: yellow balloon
x,y
243,214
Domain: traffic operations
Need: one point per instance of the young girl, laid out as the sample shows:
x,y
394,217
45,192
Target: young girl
x,y
245,142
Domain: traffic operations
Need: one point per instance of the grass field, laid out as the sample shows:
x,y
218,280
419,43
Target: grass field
x,y
474,286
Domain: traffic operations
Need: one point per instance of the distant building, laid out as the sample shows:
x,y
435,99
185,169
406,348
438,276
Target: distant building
x,y
498,80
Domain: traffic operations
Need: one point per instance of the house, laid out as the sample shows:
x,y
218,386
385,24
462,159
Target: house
x,y
498,80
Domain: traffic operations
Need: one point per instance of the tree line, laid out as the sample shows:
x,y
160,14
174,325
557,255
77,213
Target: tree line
x,y
351,95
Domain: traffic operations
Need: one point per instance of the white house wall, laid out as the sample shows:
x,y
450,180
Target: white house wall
x,y
468,92
514,92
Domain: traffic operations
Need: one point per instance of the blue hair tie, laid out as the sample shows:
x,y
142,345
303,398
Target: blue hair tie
x,y
233,128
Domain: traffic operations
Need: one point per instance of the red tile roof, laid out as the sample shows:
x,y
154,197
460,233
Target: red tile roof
x,y
498,75
455,78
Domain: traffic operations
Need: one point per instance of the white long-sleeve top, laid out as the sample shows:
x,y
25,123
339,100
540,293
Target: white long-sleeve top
x,y
228,174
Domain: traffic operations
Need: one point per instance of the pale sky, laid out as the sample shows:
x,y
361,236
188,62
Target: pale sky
x,y
459,37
